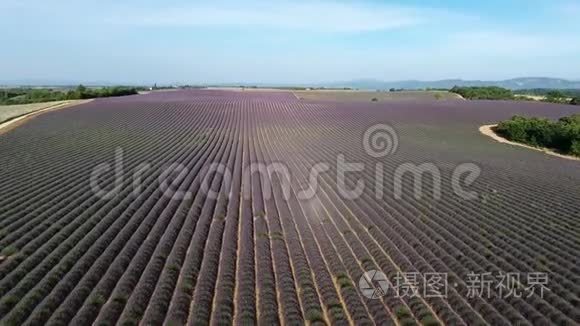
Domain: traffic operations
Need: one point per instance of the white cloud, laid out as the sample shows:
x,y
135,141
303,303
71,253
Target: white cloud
x,y
314,16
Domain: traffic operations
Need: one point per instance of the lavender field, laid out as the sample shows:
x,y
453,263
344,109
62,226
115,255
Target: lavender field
x,y
221,207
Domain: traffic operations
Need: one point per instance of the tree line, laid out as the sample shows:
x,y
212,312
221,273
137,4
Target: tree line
x,y
557,96
571,93
12,96
562,135
484,93
499,93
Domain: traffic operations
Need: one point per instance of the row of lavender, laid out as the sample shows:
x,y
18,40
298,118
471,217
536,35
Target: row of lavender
x,y
145,258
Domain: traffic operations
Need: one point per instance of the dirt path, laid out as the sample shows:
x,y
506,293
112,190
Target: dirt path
x,y
17,121
487,130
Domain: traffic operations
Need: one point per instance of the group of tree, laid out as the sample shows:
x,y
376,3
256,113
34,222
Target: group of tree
x,y
484,93
567,96
36,95
561,97
556,96
562,135
569,93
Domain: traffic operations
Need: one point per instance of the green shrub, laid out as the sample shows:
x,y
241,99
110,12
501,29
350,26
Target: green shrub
x,y
344,282
9,251
130,322
555,96
121,299
573,120
174,268
187,286
30,95
563,135
575,148
566,93
407,322
97,300
484,93
429,321
402,312
314,315
11,300
523,98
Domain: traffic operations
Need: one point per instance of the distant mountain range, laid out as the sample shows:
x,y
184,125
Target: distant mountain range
x,y
515,84
370,84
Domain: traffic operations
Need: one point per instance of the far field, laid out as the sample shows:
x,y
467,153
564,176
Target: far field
x,y
162,250
368,96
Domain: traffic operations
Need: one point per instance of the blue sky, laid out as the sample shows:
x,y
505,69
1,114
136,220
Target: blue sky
x,y
142,41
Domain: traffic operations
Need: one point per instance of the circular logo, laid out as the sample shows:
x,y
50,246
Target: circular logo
x,y
374,284
380,140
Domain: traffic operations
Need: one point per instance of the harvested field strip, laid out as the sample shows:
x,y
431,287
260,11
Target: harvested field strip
x,y
12,114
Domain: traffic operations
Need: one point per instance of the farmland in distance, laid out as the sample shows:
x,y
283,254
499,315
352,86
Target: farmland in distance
x,y
368,96
119,211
